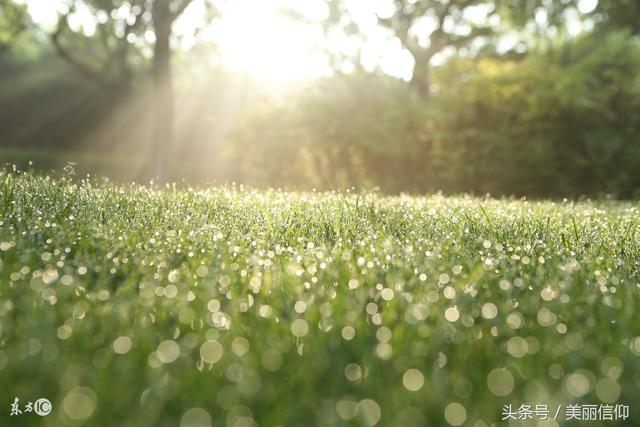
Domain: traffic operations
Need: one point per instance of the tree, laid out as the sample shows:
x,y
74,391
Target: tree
x,y
119,25
164,13
428,27
521,12
618,14
607,15
13,22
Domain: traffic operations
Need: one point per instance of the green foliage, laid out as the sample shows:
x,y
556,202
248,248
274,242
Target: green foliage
x,y
109,57
50,109
13,22
130,306
520,12
553,125
618,15
558,118
559,123
347,130
449,28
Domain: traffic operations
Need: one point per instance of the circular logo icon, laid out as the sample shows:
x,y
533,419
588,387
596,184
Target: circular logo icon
x,y
42,407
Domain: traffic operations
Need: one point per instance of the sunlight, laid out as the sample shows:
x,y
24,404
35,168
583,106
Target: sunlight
x,y
43,12
252,36
267,44
256,37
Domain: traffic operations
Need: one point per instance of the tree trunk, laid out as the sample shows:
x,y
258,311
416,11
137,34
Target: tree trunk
x,y
4,48
162,90
421,81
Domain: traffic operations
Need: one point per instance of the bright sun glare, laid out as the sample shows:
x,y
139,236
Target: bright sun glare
x,y
252,36
267,44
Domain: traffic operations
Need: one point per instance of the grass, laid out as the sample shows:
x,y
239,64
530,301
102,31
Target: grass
x,y
55,160
131,306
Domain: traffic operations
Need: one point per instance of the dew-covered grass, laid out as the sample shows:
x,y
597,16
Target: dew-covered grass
x,y
138,306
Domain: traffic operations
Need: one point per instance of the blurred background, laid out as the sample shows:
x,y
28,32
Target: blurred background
x,y
537,98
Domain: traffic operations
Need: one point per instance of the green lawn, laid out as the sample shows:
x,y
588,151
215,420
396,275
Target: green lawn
x,y
133,306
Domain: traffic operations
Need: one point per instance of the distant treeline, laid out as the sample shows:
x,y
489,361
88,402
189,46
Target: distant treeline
x,y
561,120
565,122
